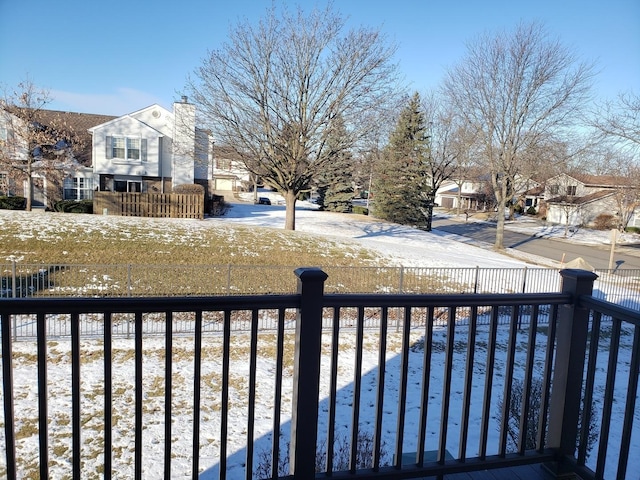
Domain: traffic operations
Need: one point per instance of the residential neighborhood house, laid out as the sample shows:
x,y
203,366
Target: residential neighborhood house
x,y
578,199
464,194
147,151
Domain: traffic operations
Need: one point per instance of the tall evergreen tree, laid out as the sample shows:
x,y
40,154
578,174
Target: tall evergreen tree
x,y
335,188
401,178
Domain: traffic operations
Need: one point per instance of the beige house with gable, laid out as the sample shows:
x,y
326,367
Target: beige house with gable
x,y
578,199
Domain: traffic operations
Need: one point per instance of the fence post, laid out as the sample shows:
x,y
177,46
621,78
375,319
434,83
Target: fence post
x,y
475,281
14,279
306,373
566,390
129,286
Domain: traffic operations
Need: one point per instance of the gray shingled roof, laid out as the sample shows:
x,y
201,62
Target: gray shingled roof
x,y
77,123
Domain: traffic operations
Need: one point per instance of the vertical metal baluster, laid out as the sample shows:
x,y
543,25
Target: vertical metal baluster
x,y
168,391
382,361
402,388
588,388
446,390
277,404
508,380
138,395
528,379
608,398
7,394
197,388
224,410
108,393
251,414
75,394
546,382
357,386
488,382
634,369
333,387
43,399
466,405
426,382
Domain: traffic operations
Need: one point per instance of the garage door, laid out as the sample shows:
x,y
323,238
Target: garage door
x,y
224,184
447,202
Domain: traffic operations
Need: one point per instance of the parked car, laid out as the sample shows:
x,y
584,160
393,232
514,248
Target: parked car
x,y
264,201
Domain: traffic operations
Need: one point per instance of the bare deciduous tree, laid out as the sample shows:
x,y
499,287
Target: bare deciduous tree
x,y
626,172
516,90
274,90
37,143
444,148
620,120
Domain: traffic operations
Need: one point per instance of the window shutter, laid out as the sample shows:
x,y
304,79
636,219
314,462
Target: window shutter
x,y
109,152
143,149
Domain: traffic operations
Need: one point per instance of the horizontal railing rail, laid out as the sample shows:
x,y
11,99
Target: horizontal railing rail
x,y
432,390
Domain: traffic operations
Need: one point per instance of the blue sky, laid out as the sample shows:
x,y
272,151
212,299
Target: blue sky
x,y
119,56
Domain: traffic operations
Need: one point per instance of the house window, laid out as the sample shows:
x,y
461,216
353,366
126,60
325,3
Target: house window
x,y
78,188
4,134
223,164
118,150
132,149
571,190
554,189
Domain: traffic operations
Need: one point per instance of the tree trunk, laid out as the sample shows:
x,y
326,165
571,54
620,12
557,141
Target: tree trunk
x,y
431,200
29,192
502,205
290,198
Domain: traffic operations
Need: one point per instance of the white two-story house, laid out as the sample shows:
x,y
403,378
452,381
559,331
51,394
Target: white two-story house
x,y
151,150
154,150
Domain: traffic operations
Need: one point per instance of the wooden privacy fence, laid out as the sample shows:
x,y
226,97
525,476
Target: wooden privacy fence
x,y
165,205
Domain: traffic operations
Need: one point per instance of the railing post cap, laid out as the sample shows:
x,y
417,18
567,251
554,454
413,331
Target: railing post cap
x,y
311,273
578,274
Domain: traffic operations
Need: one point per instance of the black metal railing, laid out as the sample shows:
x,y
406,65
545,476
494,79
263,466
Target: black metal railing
x,y
433,398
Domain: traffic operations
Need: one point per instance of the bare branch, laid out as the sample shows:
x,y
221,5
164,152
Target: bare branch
x,y
274,90
517,90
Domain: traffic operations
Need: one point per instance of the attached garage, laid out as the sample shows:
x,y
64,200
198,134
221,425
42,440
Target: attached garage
x,y
224,184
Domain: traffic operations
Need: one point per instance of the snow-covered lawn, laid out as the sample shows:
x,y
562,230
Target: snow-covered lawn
x,y
403,245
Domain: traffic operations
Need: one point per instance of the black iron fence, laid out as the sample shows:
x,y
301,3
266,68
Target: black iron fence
x,y
415,412
18,280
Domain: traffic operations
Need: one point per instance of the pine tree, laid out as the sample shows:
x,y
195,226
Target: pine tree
x,y
335,189
401,187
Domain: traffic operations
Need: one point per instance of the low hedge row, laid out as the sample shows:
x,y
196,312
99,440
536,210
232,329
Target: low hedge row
x,y
74,206
13,203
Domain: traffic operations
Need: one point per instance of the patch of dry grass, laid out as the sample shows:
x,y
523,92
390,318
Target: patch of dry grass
x,y
55,238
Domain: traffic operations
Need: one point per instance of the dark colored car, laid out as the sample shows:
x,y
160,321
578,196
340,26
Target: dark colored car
x,y
264,201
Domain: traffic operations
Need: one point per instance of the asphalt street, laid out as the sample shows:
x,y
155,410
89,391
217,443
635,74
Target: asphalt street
x,y
626,257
